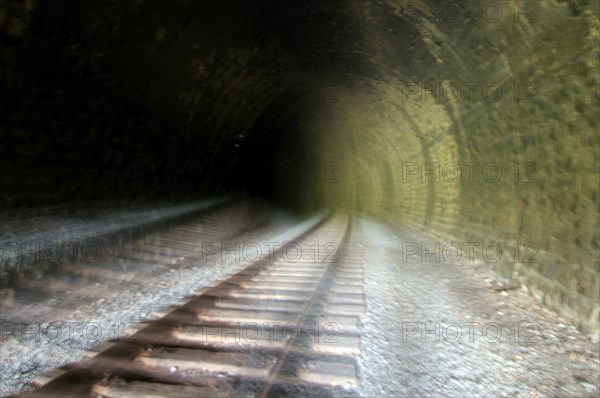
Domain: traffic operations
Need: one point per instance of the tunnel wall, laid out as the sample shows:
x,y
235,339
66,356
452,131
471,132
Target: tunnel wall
x,y
546,143
491,140
401,95
542,135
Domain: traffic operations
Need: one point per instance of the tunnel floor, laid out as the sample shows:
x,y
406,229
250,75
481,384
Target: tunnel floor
x,y
430,327
449,329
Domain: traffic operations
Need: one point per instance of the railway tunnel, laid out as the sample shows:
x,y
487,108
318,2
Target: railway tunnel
x,y
472,127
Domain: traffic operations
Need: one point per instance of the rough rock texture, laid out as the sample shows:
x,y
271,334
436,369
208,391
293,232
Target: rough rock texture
x,y
471,121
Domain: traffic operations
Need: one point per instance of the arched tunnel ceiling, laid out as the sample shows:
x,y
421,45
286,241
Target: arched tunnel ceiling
x,y
466,120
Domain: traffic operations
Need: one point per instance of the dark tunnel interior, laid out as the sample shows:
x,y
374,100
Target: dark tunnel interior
x,y
271,159
106,89
462,121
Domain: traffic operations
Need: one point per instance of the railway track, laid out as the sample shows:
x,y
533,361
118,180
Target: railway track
x,y
286,324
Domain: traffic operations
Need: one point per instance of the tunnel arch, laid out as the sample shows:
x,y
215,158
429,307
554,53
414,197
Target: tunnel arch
x,y
125,97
